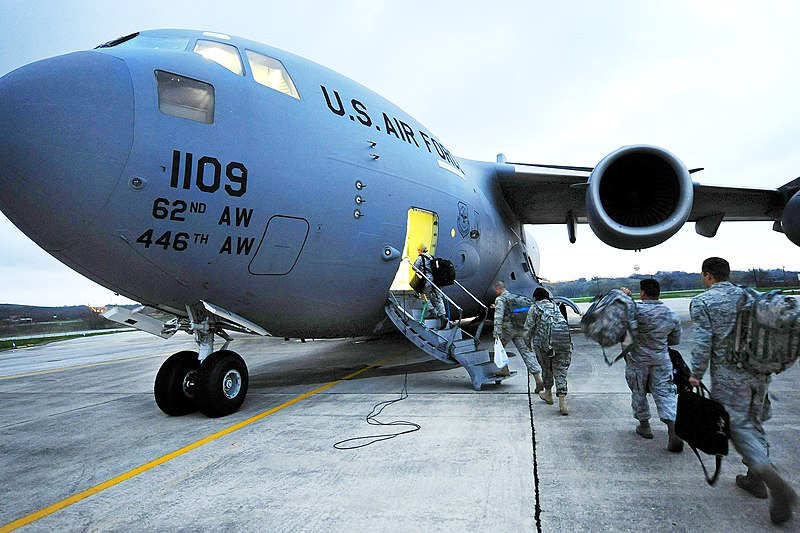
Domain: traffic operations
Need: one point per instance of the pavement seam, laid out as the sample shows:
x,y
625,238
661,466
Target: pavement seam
x,y
538,511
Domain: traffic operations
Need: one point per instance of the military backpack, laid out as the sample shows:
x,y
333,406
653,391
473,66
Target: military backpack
x,y
518,307
443,271
609,319
767,332
440,271
556,328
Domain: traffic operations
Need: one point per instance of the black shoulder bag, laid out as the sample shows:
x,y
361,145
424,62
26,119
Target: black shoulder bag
x,y
704,424
680,370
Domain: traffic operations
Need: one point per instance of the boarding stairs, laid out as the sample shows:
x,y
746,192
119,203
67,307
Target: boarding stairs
x,y
451,345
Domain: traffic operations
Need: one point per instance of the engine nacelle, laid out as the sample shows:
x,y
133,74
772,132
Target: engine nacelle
x,y
790,222
638,197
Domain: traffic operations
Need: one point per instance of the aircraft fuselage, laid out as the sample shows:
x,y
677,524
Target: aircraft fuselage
x,y
290,210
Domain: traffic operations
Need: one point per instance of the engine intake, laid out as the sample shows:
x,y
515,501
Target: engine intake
x,y
790,222
638,197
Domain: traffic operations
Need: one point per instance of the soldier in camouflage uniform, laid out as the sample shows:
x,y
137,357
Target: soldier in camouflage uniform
x,y
423,264
648,365
743,393
554,363
506,330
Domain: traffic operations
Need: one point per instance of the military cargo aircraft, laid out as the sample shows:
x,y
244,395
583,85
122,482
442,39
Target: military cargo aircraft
x,y
239,187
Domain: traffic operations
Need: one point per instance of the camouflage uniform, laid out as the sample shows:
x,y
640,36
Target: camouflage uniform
x,y
554,364
423,264
649,368
743,393
506,330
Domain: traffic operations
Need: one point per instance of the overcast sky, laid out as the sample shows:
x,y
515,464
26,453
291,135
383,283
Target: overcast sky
x,y
716,83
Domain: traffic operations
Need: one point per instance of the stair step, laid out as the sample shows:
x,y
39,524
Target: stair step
x,y
481,369
464,346
447,345
474,358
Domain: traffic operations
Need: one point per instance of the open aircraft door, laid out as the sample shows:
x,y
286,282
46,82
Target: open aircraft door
x,y
422,226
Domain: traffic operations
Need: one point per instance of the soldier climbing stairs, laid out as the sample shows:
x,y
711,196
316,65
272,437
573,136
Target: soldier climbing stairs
x,y
451,345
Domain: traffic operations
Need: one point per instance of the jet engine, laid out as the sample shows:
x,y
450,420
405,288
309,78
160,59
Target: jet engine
x,y
638,197
790,222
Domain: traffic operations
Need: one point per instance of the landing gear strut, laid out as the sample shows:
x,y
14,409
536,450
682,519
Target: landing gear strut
x,y
213,382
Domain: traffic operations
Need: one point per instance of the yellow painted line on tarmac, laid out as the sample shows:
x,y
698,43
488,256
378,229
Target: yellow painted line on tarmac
x,y
386,360
75,498
84,365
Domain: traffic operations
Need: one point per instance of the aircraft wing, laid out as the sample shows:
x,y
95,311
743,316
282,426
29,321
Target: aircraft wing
x,y
638,197
737,203
543,194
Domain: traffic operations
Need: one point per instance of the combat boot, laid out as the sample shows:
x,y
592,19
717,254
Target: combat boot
x,y
643,429
674,444
562,404
783,498
537,376
503,372
547,396
752,484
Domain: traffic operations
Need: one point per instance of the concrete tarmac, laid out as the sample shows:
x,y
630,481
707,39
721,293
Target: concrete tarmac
x,y
83,446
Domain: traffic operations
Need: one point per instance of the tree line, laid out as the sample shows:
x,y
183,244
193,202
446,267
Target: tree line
x,y
29,319
673,281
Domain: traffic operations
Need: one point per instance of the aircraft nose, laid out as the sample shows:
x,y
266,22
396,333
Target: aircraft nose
x,y
66,129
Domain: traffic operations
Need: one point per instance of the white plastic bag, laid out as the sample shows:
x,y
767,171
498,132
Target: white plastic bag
x,y
500,355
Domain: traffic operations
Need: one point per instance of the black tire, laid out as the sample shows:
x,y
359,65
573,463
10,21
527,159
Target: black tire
x,y
173,395
221,384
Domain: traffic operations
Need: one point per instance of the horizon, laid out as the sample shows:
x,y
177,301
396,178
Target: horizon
x,y
542,280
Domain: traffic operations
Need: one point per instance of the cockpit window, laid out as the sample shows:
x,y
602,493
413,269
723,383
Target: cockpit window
x,y
154,42
224,54
271,73
184,97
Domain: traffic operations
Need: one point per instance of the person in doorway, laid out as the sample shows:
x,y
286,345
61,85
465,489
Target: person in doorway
x,y
554,357
648,365
743,393
509,314
423,265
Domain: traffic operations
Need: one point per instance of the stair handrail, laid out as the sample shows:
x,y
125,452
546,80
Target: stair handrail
x,y
429,280
485,310
449,342
478,332
454,331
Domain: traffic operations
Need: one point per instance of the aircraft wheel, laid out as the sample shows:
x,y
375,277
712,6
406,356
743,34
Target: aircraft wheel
x,y
221,384
174,386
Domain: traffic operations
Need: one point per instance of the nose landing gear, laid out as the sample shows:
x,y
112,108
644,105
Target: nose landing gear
x,y
213,382
217,386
